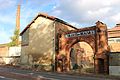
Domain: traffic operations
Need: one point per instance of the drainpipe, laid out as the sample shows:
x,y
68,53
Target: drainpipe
x,y
54,44
96,49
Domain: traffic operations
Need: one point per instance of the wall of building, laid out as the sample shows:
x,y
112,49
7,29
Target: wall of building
x,y
113,33
114,55
114,44
114,47
10,55
60,29
114,70
114,63
3,51
38,42
39,50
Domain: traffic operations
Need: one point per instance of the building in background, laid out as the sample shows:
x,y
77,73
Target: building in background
x,y
9,55
114,38
10,52
40,40
3,53
114,55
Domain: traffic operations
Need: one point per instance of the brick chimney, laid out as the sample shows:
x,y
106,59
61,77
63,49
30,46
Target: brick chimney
x,y
18,17
18,21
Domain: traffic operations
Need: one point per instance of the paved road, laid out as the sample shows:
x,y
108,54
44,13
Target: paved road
x,y
47,75
5,78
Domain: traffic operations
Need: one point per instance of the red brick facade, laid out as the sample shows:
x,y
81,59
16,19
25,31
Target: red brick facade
x,y
95,36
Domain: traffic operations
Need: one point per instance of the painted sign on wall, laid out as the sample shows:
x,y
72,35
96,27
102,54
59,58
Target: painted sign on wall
x,y
82,33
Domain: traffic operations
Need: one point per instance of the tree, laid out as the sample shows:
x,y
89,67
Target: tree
x,y
14,39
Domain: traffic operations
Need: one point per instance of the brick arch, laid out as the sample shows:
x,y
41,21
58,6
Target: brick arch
x,y
95,36
89,40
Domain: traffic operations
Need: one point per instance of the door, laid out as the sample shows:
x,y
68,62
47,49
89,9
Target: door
x,y
101,65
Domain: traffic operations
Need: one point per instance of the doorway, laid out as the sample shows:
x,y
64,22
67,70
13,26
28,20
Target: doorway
x,y
101,65
81,56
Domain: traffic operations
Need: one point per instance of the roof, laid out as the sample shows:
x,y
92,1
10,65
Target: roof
x,y
4,45
48,17
114,32
116,28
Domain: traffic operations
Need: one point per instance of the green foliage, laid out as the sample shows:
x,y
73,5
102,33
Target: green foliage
x,y
14,39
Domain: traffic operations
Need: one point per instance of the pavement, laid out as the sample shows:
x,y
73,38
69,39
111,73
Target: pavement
x,y
15,73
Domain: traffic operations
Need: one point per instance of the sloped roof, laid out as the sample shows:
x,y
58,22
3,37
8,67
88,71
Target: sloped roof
x,y
48,17
114,32
116,28
4,45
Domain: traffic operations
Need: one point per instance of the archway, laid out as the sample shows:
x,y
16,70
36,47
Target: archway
x,y
95,36
81,57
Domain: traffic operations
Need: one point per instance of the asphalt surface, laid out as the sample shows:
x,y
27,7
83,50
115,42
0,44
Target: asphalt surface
x,y
33,75
5,78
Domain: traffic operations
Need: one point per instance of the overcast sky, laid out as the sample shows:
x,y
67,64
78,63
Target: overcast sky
x,y
80,13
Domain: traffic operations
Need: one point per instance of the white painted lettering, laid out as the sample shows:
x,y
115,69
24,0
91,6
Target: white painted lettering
x,y
82,33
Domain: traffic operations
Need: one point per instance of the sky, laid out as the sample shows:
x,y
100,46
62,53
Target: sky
x,y
80,13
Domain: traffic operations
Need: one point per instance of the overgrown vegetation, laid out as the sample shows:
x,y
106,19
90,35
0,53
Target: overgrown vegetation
x,y
14,39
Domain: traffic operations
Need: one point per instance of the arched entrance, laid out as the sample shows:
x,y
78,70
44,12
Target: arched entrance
x,y
95,36
81,57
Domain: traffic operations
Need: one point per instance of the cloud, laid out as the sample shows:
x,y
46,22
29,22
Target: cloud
x,y
35,4
7,21
87,12
77,12
28,12
115,18
7,11
5,4
74,24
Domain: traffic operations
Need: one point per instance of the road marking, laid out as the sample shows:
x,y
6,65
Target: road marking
x,y
31,73
40,77
2,77
46,78
52,79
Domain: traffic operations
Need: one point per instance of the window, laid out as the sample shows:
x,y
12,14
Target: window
x,y
111,41
118,40
25,38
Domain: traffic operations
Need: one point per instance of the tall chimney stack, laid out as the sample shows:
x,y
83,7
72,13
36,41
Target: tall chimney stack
x,y
18,23
18,17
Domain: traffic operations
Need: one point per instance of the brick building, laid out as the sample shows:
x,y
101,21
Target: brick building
x,y
45,43
114,38
39,40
